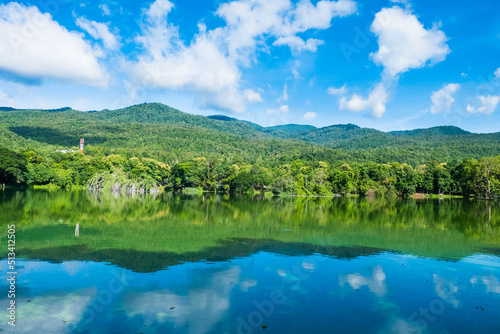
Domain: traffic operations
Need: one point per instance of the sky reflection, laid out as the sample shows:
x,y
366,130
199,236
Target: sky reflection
x,y
385,293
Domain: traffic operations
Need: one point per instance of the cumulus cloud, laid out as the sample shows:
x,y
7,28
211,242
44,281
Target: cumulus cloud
x,y
376,100
34,46
99,31
442,100
337,91
252,96
497,73
282,110
249,21
310,115
210,63
485,105
404,43
298,44
105,9
201,66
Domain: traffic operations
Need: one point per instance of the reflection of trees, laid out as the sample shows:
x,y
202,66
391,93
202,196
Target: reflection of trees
x,y
183,223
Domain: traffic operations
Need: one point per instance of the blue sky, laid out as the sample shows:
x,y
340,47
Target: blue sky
x,y
388,65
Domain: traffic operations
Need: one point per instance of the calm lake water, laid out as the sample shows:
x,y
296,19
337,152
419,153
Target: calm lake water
x,y
219,264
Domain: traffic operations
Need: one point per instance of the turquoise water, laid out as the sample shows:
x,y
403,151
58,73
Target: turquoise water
x,y
169,264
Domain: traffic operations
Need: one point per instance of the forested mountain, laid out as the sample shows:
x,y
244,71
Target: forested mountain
x,y
158,131
434,131
150,146
289,130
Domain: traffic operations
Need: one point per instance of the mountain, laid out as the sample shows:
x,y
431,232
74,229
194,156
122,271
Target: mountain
x,y
156,130
289,130
151,113
343,135
434,131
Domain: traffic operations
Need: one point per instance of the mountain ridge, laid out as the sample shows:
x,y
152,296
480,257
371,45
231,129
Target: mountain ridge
x,y
444,129
159,130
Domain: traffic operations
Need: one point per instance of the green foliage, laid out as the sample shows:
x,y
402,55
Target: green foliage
x,y
13,168
242,182
165,134
135,147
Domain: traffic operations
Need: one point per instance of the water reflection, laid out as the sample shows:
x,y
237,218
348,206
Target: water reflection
x,y
149,232
447,290
216,264
372,295
375,281
492,284
197,307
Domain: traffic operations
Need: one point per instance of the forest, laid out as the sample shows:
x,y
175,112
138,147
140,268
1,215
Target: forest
x,y
470,177
152,147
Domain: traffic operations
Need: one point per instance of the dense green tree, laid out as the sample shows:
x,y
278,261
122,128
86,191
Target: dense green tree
x,y
242,182
13,168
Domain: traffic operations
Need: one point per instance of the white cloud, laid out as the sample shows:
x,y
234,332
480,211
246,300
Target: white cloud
x,y
310,115
99,31
159,9
298,44
442,100
35,46
282,109
250,21
337,91
404,43
464,75
375,101
105,9
497,73
307,16
284,97
201,67
295,69
210,63
252,96
487,105
406,3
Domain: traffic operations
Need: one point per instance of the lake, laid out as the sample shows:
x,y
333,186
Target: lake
x,y
163,263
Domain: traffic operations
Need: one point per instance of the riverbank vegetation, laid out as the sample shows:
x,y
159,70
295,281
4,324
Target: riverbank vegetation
x,y
150,147
470,177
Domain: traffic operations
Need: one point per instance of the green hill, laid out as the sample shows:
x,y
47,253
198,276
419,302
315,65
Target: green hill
x,y
289,130
158,131
434,131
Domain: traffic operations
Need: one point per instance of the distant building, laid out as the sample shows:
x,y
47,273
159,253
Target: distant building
x,y
67,151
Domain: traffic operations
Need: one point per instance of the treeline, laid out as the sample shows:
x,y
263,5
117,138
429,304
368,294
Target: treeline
x,y
162,133
471,177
